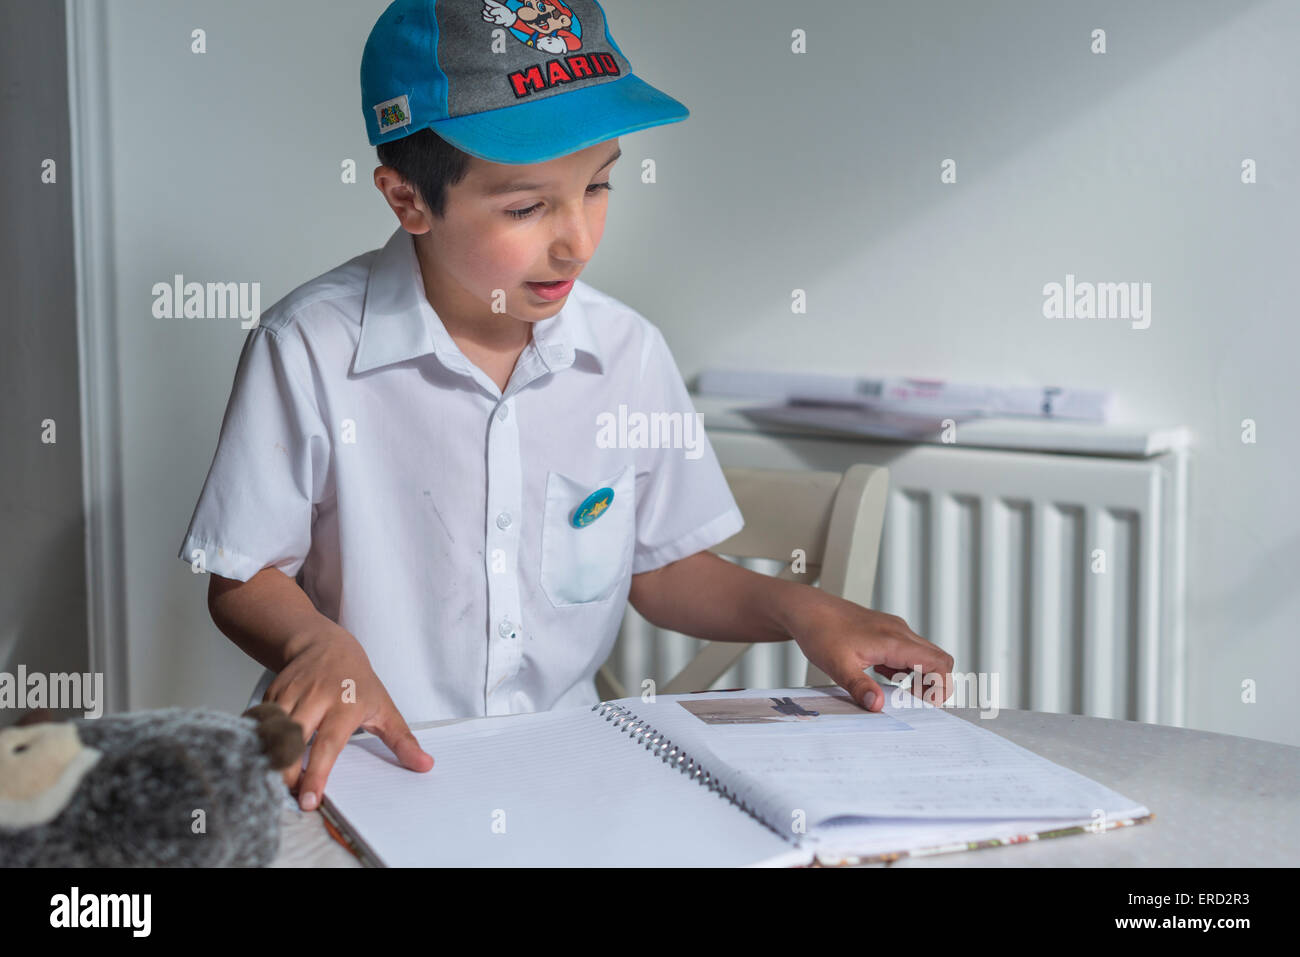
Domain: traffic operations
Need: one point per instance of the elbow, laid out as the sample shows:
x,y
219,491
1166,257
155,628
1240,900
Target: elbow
x,y
638,596
643,595
217,589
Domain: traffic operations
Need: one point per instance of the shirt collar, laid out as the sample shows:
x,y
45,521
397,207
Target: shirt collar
x,y
397,322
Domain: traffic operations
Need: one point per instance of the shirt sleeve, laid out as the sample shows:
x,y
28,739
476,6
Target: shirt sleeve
x,y
269,469
683,502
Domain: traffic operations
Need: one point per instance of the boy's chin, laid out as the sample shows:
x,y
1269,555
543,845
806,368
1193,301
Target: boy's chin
x,y
535,312
537,307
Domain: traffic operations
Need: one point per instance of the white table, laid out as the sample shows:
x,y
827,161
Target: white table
x,y
1218,800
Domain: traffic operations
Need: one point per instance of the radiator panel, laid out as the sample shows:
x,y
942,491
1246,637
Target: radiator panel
x,y
1049,570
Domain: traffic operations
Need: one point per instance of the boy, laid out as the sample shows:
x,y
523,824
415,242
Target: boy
x,y
412,512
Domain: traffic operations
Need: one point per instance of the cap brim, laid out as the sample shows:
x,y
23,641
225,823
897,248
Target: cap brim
x,y
561,124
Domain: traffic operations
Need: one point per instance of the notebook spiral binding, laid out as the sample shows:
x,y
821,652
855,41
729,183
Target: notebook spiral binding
x,y
661,747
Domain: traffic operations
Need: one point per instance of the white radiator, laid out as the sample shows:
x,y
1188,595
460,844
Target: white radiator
x,y
1062,573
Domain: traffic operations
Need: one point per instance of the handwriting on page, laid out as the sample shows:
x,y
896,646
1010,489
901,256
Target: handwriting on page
x,y
929,764
946,768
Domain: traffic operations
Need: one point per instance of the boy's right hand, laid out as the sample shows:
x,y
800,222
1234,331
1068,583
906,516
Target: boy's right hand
x,y
311,688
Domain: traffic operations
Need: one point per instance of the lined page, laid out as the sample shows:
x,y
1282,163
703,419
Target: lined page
x,y
904,762
557,788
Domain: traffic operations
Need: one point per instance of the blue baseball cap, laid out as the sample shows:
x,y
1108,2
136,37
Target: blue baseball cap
x,y
508,81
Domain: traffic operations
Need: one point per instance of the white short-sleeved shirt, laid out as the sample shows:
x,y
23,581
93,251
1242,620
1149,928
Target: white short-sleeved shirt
x,y
430,514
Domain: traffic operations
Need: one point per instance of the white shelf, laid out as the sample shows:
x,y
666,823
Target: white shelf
x,y
1079,438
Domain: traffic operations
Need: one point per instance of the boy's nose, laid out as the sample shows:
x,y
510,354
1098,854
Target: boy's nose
x,y
573,241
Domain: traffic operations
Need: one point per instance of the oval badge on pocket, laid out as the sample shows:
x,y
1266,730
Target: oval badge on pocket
x,y
587,537
593,507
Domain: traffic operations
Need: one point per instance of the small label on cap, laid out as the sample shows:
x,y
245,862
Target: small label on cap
x,y
393,113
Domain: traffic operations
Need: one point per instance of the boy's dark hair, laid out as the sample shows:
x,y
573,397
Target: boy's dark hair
x,y
427,162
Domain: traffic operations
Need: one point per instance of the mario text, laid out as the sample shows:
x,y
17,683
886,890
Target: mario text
x,y
580,66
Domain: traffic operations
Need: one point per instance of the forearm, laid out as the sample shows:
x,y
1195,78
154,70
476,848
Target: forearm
x,y
269,616
706,596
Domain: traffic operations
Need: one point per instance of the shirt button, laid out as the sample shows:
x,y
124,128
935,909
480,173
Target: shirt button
x,y
503,413
506,629
503,520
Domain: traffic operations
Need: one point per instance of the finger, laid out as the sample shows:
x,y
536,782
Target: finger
x,y
282,692
279,694
331,736
391,728
944,688
292,774
906,653
934,684
893,674
933,688
900,654
861,686
309,715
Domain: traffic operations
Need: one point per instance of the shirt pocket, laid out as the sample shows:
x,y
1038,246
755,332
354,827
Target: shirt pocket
x,y
582,566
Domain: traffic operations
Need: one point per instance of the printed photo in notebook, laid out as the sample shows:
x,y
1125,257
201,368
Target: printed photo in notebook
x,y
779,777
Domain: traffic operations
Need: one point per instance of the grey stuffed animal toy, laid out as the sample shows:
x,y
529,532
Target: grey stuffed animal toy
x,y
173,788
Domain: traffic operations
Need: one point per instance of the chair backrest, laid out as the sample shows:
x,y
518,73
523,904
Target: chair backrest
x,y
831,520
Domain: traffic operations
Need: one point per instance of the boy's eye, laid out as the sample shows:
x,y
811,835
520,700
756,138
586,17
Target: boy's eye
x,y
522,213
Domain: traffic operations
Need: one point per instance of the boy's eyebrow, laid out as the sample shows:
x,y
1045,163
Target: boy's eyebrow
x,y
519,186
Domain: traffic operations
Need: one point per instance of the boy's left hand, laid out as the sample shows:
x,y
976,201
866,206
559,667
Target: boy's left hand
x,y
843,638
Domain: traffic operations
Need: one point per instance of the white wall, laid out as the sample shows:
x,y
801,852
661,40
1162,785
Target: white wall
x,y
819,172
42,562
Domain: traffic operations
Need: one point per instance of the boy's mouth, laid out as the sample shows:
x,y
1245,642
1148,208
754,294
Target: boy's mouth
x,y
552,289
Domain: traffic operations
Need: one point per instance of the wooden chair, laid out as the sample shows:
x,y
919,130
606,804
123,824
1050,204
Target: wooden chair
x,y
836,518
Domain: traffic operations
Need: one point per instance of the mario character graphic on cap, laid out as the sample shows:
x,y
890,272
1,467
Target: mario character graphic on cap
x,y
545,25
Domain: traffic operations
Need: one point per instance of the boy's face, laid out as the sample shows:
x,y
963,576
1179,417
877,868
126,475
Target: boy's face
x,y
506,226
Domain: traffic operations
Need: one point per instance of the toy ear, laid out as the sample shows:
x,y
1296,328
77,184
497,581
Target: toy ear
x,y
281,738
36,716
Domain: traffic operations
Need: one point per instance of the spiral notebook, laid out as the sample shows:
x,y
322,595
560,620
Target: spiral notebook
x,y
780,777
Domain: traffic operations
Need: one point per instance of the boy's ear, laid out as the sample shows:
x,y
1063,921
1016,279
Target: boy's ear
x,y
403,198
